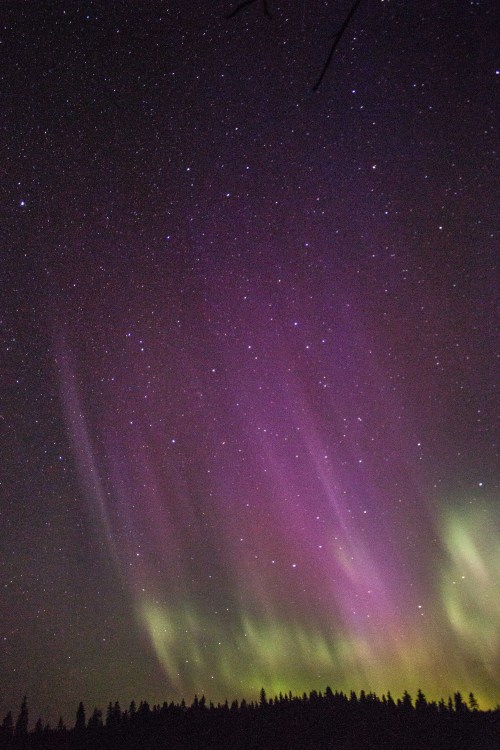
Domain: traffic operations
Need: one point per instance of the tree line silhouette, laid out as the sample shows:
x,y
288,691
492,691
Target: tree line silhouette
x,y
330,720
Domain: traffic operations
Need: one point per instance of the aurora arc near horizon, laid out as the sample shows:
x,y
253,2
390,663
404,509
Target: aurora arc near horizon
x,y
260,513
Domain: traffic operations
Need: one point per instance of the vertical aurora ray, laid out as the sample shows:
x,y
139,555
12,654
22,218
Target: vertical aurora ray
x,y
469,587
244,530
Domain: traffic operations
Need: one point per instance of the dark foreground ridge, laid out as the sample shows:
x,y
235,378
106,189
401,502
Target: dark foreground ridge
x,y
311,722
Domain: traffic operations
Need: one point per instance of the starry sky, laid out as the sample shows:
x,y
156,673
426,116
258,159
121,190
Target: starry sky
x,y
248,346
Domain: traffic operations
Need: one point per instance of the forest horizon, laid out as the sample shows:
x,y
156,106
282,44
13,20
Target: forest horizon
x,y
313,720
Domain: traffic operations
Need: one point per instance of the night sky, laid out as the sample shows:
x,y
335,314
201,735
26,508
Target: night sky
x,y
248,351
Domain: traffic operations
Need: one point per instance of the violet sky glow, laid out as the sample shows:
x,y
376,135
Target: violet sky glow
x,y
249,336
246,493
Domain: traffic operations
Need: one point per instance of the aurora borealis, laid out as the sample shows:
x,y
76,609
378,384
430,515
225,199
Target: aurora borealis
x,y
248,345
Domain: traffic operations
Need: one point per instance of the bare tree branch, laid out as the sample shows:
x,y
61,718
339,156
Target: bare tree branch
x,y
245,4
336,40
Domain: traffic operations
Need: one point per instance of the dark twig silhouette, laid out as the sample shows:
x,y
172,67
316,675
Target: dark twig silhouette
x,y
336,40
245,4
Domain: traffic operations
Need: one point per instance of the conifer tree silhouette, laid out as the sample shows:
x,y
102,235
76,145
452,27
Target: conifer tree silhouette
x,y
473,704
80,718
7,727
22,720
420,702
